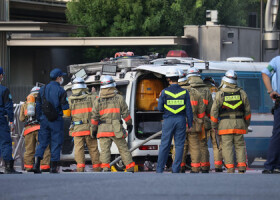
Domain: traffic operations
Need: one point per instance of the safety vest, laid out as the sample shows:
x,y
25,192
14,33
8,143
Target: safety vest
x,y
81,108
232,103
175,103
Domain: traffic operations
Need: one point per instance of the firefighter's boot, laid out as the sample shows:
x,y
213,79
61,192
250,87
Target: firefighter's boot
x,y
218,169
54,167
230,170
36,166
80,169
131,169
45,170
97,169
106,169
183,169
9,167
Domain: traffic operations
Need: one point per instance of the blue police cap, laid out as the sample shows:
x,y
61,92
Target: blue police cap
x,y
56,73
1,70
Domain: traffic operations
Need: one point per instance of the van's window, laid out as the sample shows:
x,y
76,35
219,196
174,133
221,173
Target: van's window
x,y
252,88
122,90
268,103
253,85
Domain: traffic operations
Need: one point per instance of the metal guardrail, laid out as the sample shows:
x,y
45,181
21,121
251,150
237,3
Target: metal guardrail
x,y
18,138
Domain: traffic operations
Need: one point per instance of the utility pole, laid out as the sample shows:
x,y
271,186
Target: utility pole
x,y
4,16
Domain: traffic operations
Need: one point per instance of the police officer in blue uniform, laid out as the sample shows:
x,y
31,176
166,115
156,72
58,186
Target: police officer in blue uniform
x,y
6,109
51,132
272,164
174,101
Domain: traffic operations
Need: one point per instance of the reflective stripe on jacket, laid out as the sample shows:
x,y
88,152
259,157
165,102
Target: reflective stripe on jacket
x,y
232,103
175,103
197,83
81,112
235,121
109,109
170,102
198,107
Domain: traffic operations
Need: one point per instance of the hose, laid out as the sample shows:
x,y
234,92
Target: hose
x,y
137,146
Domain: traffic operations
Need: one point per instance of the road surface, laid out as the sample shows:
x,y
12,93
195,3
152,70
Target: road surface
x,y
140,186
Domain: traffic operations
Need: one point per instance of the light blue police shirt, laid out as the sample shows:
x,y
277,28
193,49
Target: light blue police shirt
x,y
274,67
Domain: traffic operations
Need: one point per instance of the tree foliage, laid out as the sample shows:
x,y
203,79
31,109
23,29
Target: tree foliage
x,y
100,18
134,17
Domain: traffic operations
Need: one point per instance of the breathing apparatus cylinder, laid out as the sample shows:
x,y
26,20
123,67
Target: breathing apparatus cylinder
x,y
30,105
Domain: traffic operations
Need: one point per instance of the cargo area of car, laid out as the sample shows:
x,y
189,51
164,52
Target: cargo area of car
x,y
148,119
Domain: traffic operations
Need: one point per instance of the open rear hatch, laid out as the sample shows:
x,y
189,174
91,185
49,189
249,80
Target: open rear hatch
x,y
148,118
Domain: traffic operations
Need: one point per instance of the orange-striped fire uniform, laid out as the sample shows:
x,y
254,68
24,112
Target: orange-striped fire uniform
x,y
81,104
231,115
108,112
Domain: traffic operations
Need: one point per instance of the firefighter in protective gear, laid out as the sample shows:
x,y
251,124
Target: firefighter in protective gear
x,y
6,109
31,128
215,139
192,140
174,101
80,103
108,111
195,81
231,115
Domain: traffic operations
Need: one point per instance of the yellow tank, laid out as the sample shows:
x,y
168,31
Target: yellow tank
x,y
67,113
148,91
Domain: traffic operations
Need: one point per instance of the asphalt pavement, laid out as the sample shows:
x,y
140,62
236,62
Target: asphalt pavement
x,y
143,186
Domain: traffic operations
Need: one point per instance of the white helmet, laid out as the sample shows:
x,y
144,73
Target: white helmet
x,y
78,83
230,77
182,76
193,72
172,72
107,82
35,89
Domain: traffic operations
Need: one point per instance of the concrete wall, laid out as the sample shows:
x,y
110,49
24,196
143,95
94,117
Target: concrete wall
x,y
210,43
229,45
249,43
215,42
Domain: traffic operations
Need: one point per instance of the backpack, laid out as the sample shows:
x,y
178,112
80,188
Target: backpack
x,y
48,109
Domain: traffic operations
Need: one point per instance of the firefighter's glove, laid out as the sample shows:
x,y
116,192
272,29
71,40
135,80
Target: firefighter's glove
x,y
129,128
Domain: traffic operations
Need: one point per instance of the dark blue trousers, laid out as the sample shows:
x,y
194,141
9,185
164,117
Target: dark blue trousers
x,y
50,133
273,154
5,140
172,126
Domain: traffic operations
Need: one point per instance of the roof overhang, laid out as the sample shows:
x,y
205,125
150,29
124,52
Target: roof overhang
x,y
99,41
29,26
